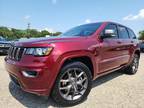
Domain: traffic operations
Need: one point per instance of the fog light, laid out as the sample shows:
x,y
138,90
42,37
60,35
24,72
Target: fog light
x,y
29,74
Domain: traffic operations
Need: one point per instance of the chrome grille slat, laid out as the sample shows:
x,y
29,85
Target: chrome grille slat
x,y
13,53
9,52
17,53
24,51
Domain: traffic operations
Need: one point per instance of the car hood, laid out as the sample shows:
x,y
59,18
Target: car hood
x,y
45,41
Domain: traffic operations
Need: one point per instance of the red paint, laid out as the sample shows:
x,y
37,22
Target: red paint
x,y
105,55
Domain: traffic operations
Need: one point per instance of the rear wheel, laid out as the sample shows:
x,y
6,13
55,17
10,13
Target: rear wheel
x,y
73,84
133,67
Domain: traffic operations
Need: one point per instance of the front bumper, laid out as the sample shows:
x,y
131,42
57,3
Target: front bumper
x,y
41,84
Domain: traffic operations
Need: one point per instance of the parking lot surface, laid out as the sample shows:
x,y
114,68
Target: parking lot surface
x,y
115,90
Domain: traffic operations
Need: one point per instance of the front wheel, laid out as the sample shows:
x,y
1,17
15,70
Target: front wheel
x,y
133,67
73,84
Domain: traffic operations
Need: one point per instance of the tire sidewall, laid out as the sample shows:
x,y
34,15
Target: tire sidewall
x,y
136,57
56,93
129,69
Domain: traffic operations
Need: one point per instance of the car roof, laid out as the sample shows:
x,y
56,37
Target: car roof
x,y
109,22
116,24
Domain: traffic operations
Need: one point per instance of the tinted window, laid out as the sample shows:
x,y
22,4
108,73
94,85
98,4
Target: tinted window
x,y
112,27
123,33
131,34
83,30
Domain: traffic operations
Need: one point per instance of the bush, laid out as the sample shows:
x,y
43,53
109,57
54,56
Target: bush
x,y
141,35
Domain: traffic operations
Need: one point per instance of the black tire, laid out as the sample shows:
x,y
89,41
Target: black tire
x,y
56,95
129,69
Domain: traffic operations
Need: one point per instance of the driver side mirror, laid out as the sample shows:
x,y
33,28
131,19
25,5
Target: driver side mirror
x,y
108,33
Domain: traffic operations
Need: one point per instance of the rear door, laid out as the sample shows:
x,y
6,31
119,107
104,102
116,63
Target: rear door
x,y
125,45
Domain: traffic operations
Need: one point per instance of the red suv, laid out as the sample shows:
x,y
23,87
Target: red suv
x,y
65,66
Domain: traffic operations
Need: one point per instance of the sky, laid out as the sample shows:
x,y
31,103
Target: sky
x,y
61,15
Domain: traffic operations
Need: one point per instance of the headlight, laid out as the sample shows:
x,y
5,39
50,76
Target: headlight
x,y
38,51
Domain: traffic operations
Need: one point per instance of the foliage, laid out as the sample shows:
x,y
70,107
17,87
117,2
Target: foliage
x,y
141,35
5,32
56,34
45,33
12,33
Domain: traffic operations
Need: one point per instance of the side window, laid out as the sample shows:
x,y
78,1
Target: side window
x,y
131,34
123,33
112,27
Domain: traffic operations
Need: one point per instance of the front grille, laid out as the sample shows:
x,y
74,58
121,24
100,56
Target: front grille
x,y
16,53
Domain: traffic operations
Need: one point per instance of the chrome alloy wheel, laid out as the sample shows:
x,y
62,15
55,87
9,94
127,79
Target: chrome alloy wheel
x,y
73,84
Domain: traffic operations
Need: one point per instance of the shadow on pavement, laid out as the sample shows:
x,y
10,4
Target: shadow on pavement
x,y
105,78
34,101
30,100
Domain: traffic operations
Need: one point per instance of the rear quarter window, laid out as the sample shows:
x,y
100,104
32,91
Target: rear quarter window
x,y
123,33
131,34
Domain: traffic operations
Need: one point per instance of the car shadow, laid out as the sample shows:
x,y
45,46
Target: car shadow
x,y
33,101
108,77
30,100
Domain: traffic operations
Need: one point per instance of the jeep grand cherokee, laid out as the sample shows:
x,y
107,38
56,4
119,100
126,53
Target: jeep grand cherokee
x,y
65,66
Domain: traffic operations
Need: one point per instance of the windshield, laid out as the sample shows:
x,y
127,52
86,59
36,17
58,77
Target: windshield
x,y
83,30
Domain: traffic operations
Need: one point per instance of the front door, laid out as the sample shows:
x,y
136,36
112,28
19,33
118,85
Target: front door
x,y
110,51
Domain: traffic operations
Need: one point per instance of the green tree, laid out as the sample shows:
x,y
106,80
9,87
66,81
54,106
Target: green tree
x,y
57,33
16,33
28,33
44,33
34,33
5,32
141,35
